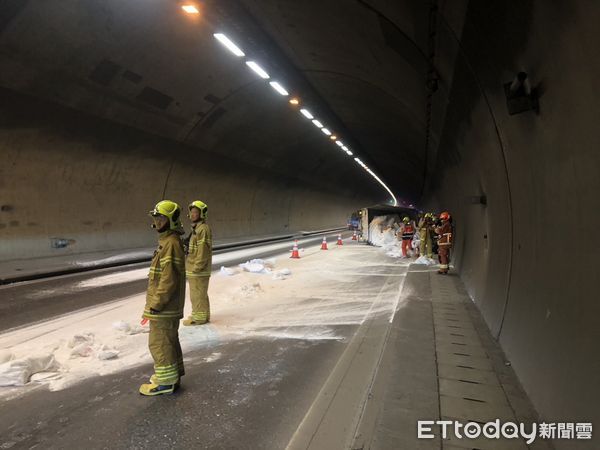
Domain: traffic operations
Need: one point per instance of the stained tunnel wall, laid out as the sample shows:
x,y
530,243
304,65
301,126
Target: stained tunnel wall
x,y
528,257
72,176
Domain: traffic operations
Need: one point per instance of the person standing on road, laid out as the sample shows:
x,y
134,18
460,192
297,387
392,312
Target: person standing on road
x,y
198,263
444,232
165,299
425,230
407,231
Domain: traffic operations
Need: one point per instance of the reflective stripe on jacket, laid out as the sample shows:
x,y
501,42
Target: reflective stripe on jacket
x,y
408,231
166,279
445,232
199,259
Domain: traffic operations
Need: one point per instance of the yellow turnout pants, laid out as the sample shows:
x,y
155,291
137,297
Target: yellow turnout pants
x,y
163,342
199,297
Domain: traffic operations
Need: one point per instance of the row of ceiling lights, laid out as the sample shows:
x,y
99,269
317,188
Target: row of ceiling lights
x,y
262,73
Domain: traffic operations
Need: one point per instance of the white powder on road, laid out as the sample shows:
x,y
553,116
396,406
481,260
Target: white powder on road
x,y
114,278
425,260
213,357
328,295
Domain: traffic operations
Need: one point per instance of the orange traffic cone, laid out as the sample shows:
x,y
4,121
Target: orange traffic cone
x,y
295,253
355,236
324,244
339,241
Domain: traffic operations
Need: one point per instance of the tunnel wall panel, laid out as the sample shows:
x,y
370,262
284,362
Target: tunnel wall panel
x,y
534,277
69,176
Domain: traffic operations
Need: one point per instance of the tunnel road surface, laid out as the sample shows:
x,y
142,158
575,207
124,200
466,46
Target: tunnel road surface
x,y
252,375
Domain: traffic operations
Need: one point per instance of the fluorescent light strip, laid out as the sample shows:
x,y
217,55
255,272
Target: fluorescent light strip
x,y
307,114
279,88
258,70
190,9
378,180
229,44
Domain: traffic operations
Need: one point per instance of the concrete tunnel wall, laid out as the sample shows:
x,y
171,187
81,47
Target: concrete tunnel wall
x,y
528,257
73,176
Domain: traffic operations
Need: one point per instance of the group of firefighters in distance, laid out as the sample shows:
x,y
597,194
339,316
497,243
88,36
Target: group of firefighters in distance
x,y
175,260
428,231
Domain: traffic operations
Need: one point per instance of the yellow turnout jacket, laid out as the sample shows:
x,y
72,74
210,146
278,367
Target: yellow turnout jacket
x,y
166,280
199,258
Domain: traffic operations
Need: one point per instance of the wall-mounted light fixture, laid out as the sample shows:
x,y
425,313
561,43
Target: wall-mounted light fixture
x,y
520,97
478,199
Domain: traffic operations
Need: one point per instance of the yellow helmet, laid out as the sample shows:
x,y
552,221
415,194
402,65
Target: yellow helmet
x,y
202,207
170,210
406,219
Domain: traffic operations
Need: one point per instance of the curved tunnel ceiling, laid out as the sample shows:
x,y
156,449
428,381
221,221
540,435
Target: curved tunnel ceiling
x,y
361,69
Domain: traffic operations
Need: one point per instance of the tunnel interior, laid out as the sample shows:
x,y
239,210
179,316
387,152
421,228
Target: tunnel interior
x,y
108,106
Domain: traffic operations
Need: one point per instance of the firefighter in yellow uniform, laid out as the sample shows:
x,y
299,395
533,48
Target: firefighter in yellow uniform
x,y
165,299
198,263
425,229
